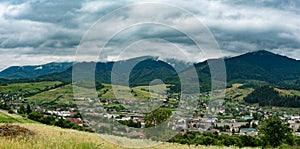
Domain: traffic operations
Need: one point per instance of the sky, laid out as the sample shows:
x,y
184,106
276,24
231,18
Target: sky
x,y
40,31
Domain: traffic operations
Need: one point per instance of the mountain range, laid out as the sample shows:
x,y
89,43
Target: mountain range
x,y
254,67
18,72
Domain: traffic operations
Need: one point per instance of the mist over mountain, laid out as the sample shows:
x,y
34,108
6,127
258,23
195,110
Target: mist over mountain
x,y
20,72
262,66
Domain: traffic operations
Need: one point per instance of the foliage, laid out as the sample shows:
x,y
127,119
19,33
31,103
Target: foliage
x,y
268,96
4,106
197,138
274,132
28,109
131,123
50,120
157,117
21,110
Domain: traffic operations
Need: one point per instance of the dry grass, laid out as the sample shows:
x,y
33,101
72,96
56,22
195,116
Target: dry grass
x,y
9,130
50,137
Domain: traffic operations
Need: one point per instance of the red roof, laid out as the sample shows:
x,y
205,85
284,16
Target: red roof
x,y
75,120
141,134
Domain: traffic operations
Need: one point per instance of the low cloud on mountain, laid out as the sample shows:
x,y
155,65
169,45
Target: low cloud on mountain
x,y
40,31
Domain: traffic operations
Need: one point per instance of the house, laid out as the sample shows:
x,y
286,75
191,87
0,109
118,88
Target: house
x,y
216,131
248,131
247,117
211,120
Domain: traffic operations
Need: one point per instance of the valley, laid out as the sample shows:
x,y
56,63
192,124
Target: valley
x,y
251,96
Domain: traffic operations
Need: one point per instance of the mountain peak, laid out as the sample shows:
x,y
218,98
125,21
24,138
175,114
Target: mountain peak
x,y
262,52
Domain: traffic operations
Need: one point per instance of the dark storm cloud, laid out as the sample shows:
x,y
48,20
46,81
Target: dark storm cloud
x,y
33,29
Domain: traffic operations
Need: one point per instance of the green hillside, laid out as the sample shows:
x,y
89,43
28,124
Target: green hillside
x,y
59,96
63,96
13,118
27,89
139,92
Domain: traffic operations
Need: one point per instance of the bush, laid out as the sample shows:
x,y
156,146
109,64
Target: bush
x,y
10,111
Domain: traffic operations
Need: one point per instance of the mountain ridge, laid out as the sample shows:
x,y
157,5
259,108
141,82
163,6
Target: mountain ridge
x,y
260,65
31,71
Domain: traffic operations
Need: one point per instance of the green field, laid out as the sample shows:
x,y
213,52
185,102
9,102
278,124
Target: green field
x,y
64,95
27,88
136,93
60,95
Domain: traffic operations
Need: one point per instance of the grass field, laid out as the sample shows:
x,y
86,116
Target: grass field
x,y
50,137
65,94
138,93
236,93
25,88
12,118
61,95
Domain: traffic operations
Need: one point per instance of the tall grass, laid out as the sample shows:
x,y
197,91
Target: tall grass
x,y
50,137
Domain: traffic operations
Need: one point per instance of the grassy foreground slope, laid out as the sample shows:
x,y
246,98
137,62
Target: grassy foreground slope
x,y
55,137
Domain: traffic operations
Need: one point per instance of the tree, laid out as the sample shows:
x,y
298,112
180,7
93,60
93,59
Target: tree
x,y
35,116
22,110
274,132
157,126
157,116
28,109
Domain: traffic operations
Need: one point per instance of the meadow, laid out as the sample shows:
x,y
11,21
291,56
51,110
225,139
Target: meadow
x,y
64,95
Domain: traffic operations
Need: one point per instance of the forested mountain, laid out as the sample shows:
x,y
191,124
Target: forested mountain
x,y
264,66
268,96
141,71
259,66
21,72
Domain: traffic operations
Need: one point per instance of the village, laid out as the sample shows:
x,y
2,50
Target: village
x,y
243,119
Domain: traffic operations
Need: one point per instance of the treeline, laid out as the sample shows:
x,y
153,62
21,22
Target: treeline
x,y
268,96
197,138
4,106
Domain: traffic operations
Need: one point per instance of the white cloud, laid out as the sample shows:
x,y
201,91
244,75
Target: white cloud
x,y
51,30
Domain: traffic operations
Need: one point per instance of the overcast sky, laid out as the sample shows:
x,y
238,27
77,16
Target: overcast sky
x,y
41,31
